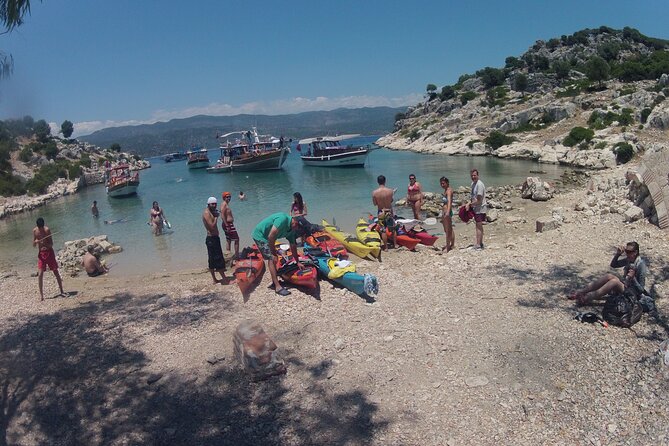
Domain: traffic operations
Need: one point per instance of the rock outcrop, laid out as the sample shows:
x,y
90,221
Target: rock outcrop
x,y
70,256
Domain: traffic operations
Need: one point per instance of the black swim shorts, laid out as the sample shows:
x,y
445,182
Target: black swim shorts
x,y
215,252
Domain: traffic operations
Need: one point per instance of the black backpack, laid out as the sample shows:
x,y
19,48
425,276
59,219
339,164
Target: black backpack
x,y
622,310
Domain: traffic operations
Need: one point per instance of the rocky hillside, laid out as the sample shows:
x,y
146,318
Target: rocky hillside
x,y
592,99
36,167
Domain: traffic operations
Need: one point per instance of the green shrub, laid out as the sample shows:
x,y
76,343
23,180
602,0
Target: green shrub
x,y
398,117
491,77
600,145
466,97
447,92
50,150
569,92
85,160
26,154
471,142
414,134
74,171
626,91
577,135
46,175
624,152
498,139
11,185
600,121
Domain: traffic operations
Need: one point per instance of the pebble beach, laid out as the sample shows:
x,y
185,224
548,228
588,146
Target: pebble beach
x,y
465,347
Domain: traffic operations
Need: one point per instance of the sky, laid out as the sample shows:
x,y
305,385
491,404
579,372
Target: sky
x,y
101,63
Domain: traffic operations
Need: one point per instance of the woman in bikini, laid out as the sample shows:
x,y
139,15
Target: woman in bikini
x,y
447,213
156,217
414,196
299,207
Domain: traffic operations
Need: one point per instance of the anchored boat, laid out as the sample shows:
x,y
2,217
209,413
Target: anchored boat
x,y
121,182
198,159
250,151
328,151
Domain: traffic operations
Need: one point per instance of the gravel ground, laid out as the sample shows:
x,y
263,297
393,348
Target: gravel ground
x,y
460,348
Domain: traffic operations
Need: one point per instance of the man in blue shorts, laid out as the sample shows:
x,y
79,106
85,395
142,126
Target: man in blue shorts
x,y
267,232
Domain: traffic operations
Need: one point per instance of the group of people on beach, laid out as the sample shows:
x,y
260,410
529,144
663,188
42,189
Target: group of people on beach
x,y
293,225
476,208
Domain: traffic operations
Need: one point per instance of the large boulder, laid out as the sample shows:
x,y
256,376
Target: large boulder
x,y
536,189
256,351
659,117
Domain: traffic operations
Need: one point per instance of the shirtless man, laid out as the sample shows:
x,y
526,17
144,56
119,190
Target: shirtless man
x,y
91,263
228,224
94,209
46,257
382,197
215,253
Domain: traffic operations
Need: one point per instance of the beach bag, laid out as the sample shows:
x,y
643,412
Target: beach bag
x,y
464,214
622,310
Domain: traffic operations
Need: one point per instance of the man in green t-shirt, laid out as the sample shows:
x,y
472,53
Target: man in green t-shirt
x,y
267,232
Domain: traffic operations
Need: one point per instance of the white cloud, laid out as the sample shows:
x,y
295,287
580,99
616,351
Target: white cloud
x,y
278,107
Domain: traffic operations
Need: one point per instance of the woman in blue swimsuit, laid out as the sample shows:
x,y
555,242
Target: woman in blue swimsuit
x,y
447,213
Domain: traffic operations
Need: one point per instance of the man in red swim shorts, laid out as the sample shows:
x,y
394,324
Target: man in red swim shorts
x,y
46,258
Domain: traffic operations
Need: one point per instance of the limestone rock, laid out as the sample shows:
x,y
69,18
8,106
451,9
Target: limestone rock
x,y
634,213
544,224
256,351
536,189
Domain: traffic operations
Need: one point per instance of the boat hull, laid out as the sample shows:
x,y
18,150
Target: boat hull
x,y
201,164
306,277
219,169
123,190
264,161
347,159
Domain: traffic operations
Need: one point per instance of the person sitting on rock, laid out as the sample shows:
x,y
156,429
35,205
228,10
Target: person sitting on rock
x,y
92,264
634,277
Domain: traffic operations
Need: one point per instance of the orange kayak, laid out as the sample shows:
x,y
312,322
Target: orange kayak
x,y
327,244
249,268
404,240
306,277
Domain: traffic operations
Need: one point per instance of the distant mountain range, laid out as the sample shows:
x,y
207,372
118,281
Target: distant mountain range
x,y
201,130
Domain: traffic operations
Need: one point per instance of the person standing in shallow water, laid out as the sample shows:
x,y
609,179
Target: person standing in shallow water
x,y
156,218
299,207
94,209
213,241
447,213
241,196
46,258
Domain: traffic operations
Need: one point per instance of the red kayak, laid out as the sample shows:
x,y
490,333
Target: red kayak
x,y
306,277
425,238
404,240
326,243
249,268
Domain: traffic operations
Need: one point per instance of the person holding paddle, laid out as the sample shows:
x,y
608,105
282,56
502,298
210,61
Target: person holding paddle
x,y
46,258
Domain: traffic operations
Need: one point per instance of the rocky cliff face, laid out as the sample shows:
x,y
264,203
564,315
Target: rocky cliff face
x,y
532,119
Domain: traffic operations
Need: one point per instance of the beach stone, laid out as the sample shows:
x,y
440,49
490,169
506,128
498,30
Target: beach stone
x,y
476,381
256,351
633,214
544,224
164,301
492,215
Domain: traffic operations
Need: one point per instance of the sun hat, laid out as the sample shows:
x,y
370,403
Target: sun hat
x,y
212,200
226,194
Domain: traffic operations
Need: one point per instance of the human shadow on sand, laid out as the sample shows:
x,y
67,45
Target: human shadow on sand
x,y
79,376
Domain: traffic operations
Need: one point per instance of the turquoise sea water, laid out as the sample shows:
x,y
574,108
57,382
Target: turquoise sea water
x,y
343,194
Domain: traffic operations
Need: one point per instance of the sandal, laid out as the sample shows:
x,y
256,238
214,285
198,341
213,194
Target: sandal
x,y
283,292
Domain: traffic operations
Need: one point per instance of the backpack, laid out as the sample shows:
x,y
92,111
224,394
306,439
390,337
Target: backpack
x,y
622,310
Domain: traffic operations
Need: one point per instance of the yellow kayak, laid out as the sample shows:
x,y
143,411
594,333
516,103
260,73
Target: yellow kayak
x,y
369,238
351,243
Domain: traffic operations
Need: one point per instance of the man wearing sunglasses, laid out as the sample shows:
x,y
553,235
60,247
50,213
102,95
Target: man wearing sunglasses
x,y
634,277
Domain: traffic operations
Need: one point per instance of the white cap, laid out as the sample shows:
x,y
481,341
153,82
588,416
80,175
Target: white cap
x,y
211,200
